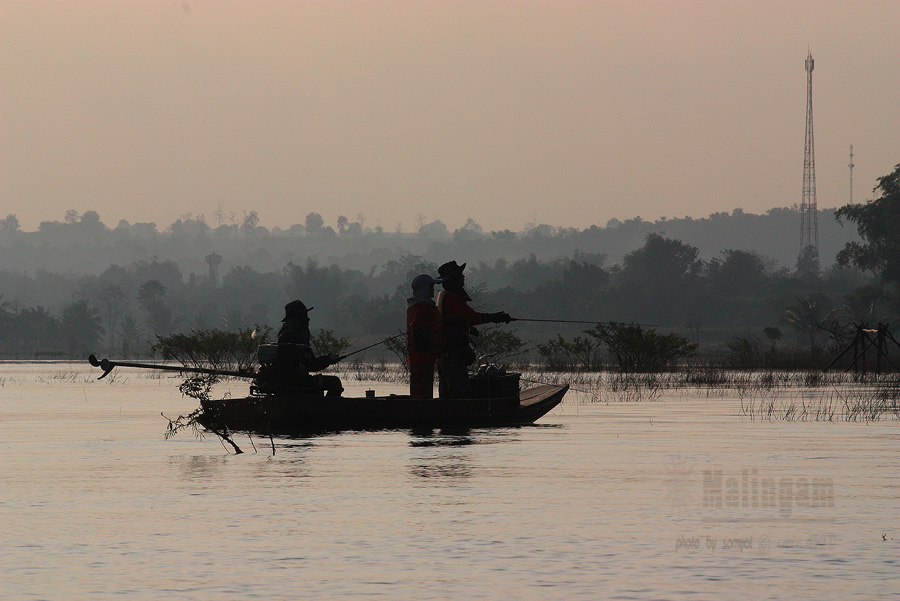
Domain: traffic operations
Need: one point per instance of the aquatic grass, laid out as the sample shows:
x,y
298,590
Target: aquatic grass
x,y
771,405
61,378
604,386
844,403
379,371
635,387
70,376
763,395
871,405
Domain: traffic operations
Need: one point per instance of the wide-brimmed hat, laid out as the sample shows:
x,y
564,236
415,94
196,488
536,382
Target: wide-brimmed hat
x,y
293,308
423,279
450,269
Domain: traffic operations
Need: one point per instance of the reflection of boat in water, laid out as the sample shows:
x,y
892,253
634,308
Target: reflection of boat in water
x,y
299,413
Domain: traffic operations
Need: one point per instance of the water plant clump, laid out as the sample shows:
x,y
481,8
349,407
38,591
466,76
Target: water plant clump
x,y
214,349
377,371
844,403
767,394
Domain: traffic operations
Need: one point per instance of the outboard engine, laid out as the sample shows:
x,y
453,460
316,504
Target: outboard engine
x,y
267,354
493,382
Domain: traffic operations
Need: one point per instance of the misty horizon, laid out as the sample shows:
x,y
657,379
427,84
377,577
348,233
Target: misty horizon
x,y
237,218
83,243
562,113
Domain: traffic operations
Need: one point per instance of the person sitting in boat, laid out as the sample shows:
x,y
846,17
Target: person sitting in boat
x,y
296,355
459,321
424,336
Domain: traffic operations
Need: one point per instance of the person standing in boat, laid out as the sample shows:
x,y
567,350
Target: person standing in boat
x,y
424,336
296,353
459,321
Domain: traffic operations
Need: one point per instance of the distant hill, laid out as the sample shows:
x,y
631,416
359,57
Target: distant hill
x,y
84,245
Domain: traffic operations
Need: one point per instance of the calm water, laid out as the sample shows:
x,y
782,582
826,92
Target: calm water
x,y
669,499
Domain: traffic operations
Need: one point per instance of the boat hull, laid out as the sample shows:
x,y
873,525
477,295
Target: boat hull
x,y
299,414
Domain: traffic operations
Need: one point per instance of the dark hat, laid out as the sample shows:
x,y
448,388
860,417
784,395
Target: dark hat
x,y
450,269
422,280
293,308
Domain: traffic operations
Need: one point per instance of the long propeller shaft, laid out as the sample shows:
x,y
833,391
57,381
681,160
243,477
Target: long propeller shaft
x,y
107,366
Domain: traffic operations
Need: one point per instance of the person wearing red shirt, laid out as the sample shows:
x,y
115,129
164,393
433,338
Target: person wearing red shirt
x,y
459,321
424,336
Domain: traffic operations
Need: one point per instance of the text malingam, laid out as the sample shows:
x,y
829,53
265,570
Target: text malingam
x,y
749,490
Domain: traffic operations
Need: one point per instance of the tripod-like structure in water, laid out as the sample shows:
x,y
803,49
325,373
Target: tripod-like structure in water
x,y
866,339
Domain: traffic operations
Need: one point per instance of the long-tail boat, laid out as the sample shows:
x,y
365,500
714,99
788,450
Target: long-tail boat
x,y
496,402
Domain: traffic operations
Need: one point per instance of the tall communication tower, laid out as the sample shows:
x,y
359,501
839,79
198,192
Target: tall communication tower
x,y
809,227
851,165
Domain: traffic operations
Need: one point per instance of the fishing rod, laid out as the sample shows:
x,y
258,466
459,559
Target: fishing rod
x,y
107,366
365,348
644,325
424,325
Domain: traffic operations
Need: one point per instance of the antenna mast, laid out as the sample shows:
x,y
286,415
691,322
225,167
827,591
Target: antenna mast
x,y
809,227
851,173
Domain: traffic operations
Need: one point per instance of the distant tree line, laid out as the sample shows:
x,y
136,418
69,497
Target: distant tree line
x,y
82,243
662,283
738,301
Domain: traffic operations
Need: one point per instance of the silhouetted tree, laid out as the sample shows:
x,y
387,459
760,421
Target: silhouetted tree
x,y
773,334
251,220
159,314
878,223
315,285
81,325
130,333
314,223
235,320
150,292
640,350
662,277
661,260
36,331
808,263
436,229
468,232
7,324
9,227
738,273
113,301
806,315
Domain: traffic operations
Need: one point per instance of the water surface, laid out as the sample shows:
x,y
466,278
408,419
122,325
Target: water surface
x,y
675,498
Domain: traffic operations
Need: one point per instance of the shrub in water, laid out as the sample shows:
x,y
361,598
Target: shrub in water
x,y
637,349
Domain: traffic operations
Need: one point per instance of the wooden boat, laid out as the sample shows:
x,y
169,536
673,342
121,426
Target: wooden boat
x,y
496,402
298,414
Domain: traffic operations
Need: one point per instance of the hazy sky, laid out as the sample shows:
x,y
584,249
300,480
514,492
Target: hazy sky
x,y
571,113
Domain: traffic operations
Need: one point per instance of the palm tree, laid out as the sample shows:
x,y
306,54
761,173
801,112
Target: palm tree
x,y
7,319
82,327
235,320
36,330
805,316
